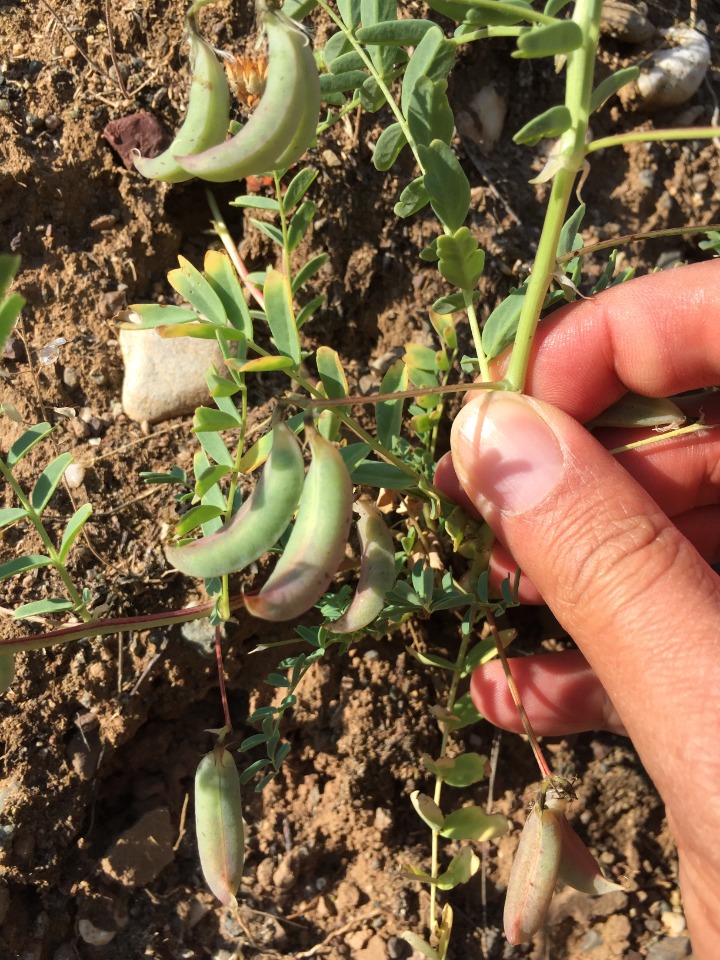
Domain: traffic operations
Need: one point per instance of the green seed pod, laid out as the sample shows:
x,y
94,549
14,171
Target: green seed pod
x,y
377,571
283,124
260,521
533,875
219,824
317,542
207,117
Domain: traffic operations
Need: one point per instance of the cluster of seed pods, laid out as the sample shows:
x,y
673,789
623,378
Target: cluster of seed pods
x,y
324,502
279,131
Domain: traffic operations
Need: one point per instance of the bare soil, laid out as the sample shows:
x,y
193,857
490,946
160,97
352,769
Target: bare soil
x,y
99,734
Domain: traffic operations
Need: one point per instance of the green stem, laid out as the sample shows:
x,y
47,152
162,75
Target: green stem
x,y
34,517
540,279
635,238
220,228
570,157
500,6
283,224
653,136
334,117
476,334
360,50
452,694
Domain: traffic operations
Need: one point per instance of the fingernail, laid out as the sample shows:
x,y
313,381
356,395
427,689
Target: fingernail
x,y
504,453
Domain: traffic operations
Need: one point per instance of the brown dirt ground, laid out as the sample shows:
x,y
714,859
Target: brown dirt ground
x,y
92,739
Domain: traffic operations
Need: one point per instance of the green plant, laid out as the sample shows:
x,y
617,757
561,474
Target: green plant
x,y
369,57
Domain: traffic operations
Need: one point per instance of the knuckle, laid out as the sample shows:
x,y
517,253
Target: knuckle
x,y
619,560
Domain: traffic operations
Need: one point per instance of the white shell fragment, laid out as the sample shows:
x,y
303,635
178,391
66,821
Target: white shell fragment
x,y
675,73
626,21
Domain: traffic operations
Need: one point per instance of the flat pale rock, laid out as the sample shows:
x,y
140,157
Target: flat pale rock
x,y
164,378
143,851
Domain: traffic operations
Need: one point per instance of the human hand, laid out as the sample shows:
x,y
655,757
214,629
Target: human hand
x,y
618,547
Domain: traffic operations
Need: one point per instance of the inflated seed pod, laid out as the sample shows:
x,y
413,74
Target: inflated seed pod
x,y
219,824
533,875
377,571
260,521
317,542
283,125
208,113
578,867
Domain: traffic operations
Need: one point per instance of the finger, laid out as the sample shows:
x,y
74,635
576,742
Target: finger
x,y
656,335
615,571
560,692
693,482
701,527
679,473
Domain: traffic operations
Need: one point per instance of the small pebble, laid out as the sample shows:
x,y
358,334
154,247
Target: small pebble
x,y
397,949
673,922
93,935
14,349
75,475
669,948
70,377
142,851
626,21
675,71
104,222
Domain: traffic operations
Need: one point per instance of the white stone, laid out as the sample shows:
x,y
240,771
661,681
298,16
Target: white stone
x,y
164,378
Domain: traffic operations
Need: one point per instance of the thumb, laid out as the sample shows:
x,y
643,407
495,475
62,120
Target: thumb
x,y
613,568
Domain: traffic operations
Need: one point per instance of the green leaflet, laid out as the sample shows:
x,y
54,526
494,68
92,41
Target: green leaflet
x,y
389,413
610,85
402,33
47,482
193,287
73,529
26,442
547,40
389,146
550,123
280,315
461,262
221,276
446,184
428,113
412,199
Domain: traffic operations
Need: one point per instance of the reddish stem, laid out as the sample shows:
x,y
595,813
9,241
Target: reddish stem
x,y
99,628
545,770
221,676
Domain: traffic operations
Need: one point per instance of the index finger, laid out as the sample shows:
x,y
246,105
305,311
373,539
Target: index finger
x,y
656,335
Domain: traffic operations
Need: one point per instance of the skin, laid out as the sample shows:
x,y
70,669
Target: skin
x,y
618,546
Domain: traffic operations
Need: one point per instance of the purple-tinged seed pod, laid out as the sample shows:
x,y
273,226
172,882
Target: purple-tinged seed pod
x,y
317,542
377,571
578,867
219,824
260,521
533,875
